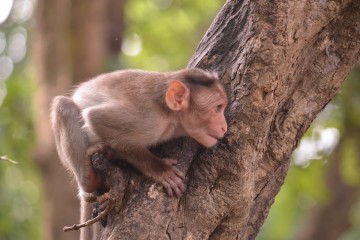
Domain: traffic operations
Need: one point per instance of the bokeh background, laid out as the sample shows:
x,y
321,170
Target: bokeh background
x,y
48,45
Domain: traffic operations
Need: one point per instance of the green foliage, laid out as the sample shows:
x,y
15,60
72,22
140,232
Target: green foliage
x,y
303,187
349,167
349,100
163,34
354,232
20,186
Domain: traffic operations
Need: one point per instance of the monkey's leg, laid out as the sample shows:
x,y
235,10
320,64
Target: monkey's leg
x,y
72,142
104,120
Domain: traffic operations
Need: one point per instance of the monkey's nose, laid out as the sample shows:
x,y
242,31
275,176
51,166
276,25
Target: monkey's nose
x,y
224,129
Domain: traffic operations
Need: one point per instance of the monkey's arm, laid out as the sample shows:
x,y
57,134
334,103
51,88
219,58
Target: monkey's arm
x,y
160,170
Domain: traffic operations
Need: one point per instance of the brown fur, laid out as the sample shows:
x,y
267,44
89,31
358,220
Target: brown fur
x,y
131,110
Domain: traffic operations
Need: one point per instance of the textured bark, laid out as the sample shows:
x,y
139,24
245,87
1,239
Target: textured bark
x,y
282,62
70,44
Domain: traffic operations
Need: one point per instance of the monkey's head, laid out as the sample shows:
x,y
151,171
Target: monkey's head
x,y
199,100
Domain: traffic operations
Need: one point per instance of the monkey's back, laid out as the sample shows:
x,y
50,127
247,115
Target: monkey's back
x,y
134,98
134,86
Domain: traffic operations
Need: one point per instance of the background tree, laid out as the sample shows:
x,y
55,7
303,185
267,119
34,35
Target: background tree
x,y
69,46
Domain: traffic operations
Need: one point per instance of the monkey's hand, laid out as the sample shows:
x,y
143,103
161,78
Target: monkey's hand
x,y
170,177
99,148
162,171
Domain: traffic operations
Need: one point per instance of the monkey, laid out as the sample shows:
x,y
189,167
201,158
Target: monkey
x,y
132,110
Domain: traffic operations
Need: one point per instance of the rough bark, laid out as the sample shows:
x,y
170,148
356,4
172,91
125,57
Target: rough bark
x,y
282,62
70,43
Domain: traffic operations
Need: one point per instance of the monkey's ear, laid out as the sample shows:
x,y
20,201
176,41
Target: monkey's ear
x,y
177,96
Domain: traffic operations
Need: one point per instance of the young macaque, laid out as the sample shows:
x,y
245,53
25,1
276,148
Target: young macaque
x,y
129,111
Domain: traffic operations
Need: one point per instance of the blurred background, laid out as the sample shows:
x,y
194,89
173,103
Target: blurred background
x,y
47,46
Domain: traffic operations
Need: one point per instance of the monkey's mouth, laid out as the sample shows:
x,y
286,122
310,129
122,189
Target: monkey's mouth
x,y
208,140
215,138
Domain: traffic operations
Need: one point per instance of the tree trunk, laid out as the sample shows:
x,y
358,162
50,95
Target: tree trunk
x,y
70,44
282,62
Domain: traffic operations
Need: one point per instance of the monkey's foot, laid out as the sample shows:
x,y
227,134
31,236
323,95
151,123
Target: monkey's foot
x,y
99,148
107,202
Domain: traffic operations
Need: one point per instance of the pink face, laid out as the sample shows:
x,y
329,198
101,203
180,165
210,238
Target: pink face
x,y
207,125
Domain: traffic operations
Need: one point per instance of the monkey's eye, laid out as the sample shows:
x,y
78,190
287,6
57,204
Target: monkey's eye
x,y
219,107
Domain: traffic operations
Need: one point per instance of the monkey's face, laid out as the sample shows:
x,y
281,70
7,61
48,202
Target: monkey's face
x,y
206,123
